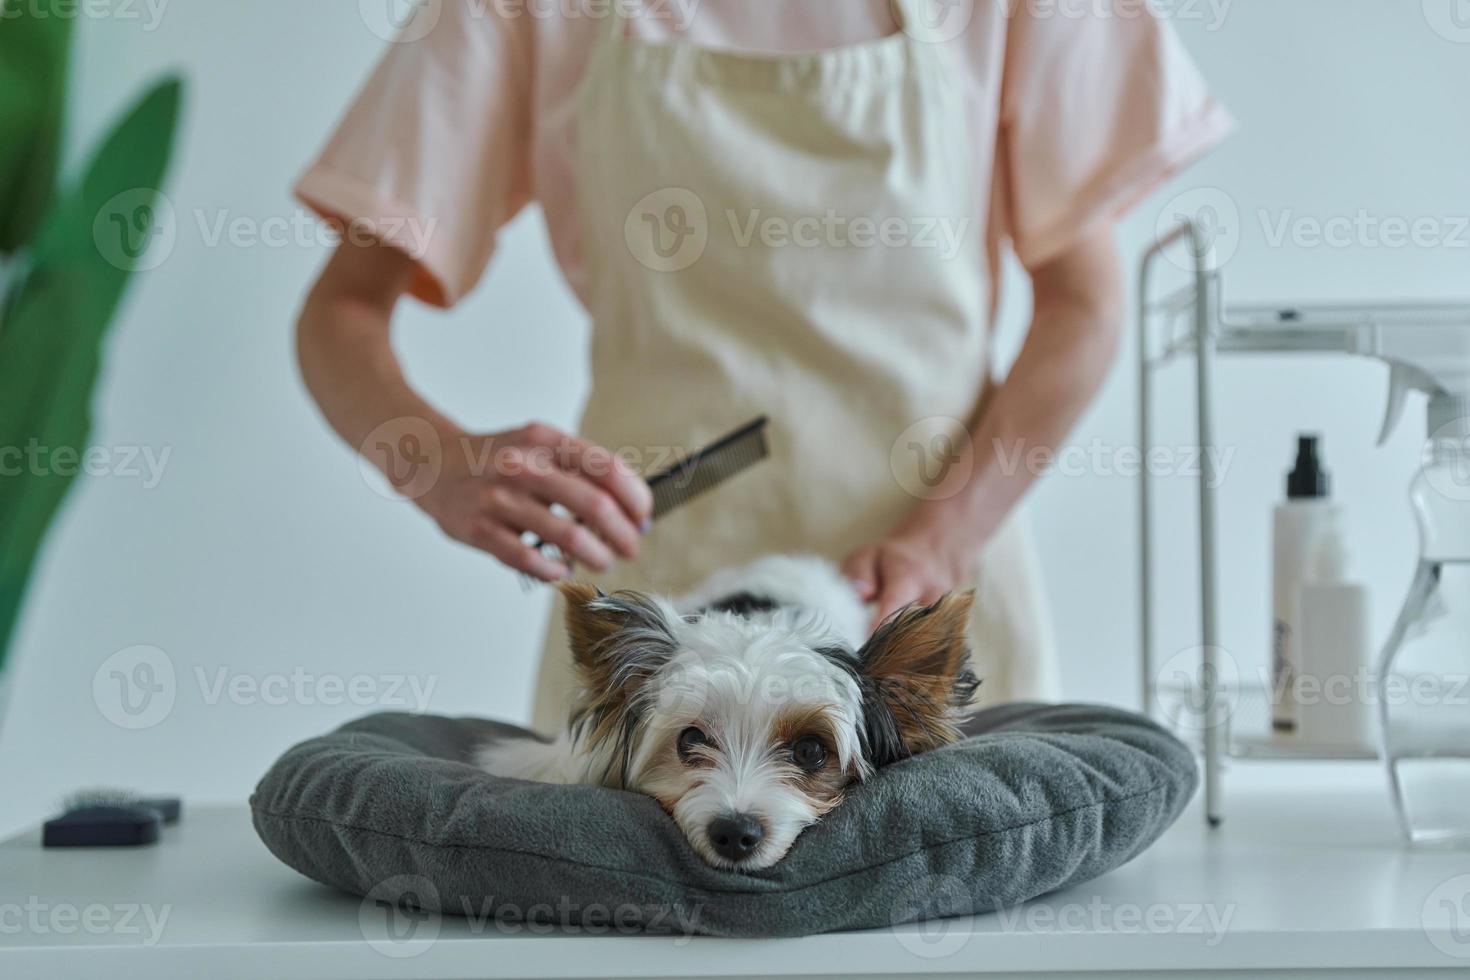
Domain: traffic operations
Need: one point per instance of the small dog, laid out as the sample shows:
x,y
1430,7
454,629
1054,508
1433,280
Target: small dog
x,y
747,707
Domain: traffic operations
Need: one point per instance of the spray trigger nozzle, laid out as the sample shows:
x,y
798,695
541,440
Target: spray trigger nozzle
x,y
1398,394
1402,378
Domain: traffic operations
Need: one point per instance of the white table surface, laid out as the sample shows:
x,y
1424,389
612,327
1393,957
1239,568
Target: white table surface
x,y
1307,874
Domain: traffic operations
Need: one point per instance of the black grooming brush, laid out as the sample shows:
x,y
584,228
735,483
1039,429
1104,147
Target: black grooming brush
x,y
702,470
109,818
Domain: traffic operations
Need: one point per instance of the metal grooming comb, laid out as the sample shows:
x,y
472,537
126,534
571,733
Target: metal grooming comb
x,y
700,471
709,467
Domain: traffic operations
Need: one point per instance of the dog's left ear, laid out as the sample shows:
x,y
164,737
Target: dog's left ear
x,y
916,679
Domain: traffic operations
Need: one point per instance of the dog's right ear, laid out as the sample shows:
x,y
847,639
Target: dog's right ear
x,y
619,642
587,629
611,635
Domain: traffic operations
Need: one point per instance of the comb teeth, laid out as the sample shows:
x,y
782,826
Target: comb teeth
x,y
709,467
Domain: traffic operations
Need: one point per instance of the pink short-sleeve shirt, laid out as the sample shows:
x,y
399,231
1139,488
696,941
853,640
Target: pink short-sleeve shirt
x,y
1076,111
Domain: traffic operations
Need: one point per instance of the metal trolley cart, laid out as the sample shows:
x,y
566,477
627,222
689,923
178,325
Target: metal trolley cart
x,y
1194,321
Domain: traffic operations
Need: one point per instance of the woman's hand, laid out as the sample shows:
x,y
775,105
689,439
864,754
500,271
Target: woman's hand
x,y
493,489
486,490
918,561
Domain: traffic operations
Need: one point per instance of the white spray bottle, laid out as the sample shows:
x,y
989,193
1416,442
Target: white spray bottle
x,y
1424,671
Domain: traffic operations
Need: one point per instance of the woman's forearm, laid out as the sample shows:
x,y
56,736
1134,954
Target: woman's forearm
x,y
346,355
1068,352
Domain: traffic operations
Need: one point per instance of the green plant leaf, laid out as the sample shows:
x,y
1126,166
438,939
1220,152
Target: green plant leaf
x,y
34,41
50,343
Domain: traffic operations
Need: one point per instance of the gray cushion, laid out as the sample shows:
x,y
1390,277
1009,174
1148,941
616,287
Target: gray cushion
x,y
1037,798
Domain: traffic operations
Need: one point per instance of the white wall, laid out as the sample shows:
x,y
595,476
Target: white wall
x,y
263,553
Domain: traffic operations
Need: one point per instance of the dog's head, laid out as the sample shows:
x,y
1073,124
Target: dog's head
x,y
748,730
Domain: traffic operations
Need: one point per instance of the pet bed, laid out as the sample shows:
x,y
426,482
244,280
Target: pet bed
x,y
1035,798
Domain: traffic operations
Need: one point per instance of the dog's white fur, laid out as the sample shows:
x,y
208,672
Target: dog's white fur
x,y
743,679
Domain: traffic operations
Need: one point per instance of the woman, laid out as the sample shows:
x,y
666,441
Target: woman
x,y
797,214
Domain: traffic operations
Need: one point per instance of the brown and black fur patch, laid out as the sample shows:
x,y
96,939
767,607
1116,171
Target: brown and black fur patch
x,y
825,787
745,604
803,719
915,677
619,642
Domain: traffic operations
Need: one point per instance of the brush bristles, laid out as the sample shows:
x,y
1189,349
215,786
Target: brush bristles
x,y
87,799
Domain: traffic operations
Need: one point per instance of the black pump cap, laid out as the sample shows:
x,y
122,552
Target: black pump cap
x,y
1308,480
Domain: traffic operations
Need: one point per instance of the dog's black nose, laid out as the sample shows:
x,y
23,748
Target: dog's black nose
x,y
735,835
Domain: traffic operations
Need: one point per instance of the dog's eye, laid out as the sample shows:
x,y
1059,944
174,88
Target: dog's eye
x,y
809,753
689,740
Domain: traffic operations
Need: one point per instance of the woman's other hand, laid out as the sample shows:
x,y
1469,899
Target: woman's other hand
x,y
918,561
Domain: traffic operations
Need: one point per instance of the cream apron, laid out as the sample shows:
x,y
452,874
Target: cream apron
x,y
792,236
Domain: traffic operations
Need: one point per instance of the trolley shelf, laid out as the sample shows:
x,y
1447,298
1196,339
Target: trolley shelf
x,y
1305,329
1247,724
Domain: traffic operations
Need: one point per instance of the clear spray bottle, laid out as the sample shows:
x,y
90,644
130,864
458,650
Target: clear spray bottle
x,y
1423,673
